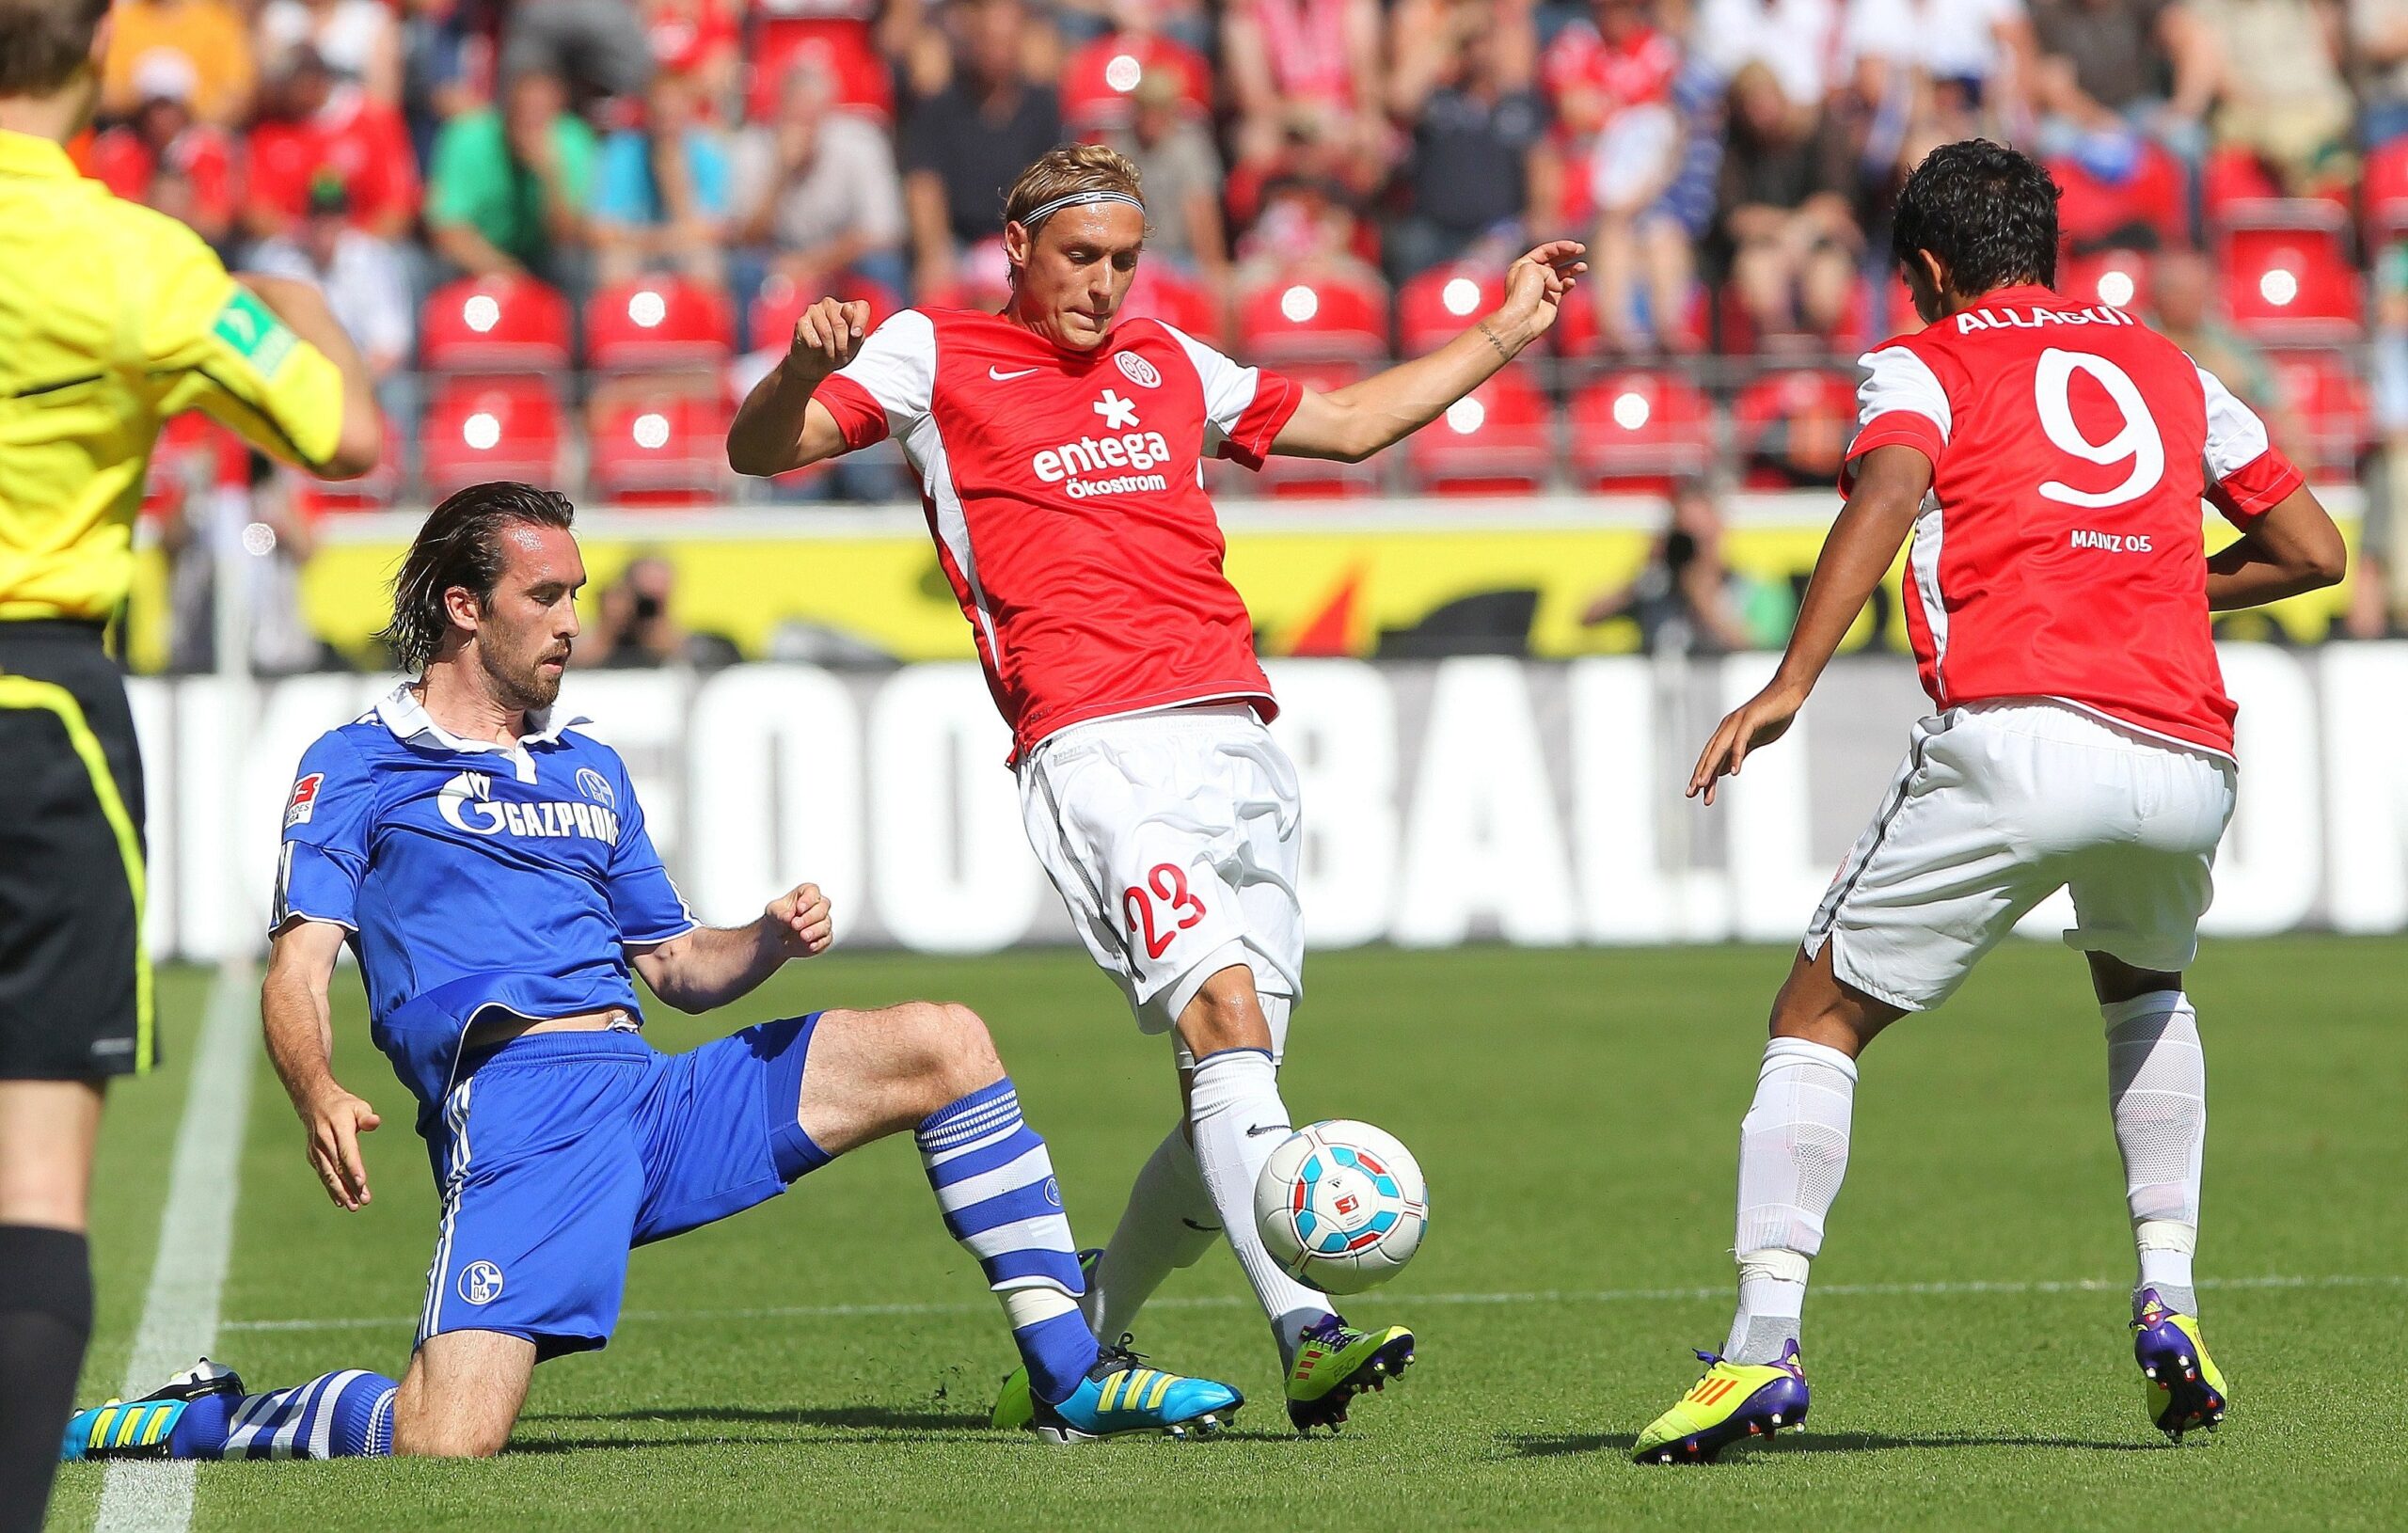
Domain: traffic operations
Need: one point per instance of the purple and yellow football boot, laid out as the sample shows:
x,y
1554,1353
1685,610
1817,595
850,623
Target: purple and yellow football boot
x,y
1732,1403
2182,1387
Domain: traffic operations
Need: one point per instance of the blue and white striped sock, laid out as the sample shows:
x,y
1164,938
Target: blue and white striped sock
x,y
335,1415
995,1183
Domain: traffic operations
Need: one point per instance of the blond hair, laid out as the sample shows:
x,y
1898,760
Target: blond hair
x,y
1068,171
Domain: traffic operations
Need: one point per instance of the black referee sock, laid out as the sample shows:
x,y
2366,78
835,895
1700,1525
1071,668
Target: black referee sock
x,y
46,1319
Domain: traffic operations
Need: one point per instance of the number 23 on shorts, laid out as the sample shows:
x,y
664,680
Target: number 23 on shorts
x,y
1166,888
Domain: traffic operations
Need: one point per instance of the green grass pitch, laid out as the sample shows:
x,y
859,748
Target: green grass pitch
x,y
1578,1113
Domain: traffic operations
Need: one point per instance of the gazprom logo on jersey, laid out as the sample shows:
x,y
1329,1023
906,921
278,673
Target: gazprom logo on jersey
x,y
466,803
1092,455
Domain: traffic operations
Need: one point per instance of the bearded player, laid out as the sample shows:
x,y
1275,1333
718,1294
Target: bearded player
x,y
1059,456
2048,458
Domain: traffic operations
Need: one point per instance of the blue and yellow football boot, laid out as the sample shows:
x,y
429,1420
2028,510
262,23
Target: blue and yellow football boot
x,y
1121,1395
2182,1388
1333,1362
140,1429
1733,1402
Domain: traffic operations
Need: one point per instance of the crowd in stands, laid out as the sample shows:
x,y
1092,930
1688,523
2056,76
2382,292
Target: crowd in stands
x,y
1330,182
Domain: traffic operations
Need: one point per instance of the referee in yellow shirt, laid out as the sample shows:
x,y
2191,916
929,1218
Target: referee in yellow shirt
x,y
112,318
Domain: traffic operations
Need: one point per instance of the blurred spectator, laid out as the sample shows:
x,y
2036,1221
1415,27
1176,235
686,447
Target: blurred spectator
x,y
817,193
509,188
965,145
1310,69
365,282
447,66
162,140
595,48
635,625
2111,68
1180,173
2280,99
208,35
1476,125
2182,291
360,39
1188,23
319,126
1609,82
1784,215
1308,226
1793,39
1100,78
664,192
696,38
2379,33
1684,599
1963,66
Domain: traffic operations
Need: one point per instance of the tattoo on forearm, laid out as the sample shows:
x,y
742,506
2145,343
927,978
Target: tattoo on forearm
x,y
1503,354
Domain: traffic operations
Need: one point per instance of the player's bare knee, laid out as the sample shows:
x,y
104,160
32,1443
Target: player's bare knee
x,y
965,1052
1225,1014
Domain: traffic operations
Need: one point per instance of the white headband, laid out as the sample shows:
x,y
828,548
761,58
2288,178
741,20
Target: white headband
x,y
1043,211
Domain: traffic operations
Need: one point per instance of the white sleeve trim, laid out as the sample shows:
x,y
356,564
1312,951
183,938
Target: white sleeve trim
x,y
897,366
1897,379
1229,388
2236,438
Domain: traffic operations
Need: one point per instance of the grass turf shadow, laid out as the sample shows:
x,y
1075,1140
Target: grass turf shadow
x,y
848,1416
1569,1445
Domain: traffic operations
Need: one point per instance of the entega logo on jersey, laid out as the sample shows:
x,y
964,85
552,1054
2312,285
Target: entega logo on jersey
x,y
1094,455
466,803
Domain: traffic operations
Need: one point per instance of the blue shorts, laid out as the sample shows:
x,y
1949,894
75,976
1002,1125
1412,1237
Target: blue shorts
x,y
564,1151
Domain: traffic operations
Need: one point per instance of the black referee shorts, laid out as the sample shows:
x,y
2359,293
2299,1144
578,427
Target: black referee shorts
x,y
74,979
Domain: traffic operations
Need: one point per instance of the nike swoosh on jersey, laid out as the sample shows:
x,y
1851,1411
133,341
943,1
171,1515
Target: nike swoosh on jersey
x,y
1006,377
1262,1129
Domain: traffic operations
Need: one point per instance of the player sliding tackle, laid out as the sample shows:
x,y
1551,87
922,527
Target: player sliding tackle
x,y
2049,457
1059,456
490,869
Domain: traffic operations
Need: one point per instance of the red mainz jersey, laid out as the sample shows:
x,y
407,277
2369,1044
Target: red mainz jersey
x,y
1066,493
2059,554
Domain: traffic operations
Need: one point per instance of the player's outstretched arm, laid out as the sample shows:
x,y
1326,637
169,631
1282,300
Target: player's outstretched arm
x,y
1891,482
2293,547
299,1030
711,966
1350,424
780,427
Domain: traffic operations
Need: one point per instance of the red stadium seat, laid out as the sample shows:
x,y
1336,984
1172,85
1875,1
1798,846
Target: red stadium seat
x,y
1098,78
1636,432
2118,278
1443,302
657,323
1578,336
771,321
2322,389
2384,193
839,47
1162,294
1792,427
2286,270
1498,440
1321,319
477,429
2153,200
663,451
494,325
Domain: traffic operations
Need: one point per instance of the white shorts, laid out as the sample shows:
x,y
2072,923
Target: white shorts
x,y
1173,839
2000,804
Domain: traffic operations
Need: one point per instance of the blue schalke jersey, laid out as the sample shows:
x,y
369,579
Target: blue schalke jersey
x,y
473,877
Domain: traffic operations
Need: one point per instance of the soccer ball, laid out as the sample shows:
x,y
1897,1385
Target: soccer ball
x,y
1341,1206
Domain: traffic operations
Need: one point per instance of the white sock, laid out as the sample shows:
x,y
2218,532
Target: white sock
x,y
1168,1225
1793,1154
1238,1119
2156,1088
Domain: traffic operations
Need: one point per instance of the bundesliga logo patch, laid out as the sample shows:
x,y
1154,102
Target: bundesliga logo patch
x,y
304,801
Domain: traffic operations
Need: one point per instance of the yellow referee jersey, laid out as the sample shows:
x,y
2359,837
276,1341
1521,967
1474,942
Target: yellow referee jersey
x,y
112,318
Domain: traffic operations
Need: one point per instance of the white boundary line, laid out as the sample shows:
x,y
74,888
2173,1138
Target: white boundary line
x,y
1604,1296
195,1238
